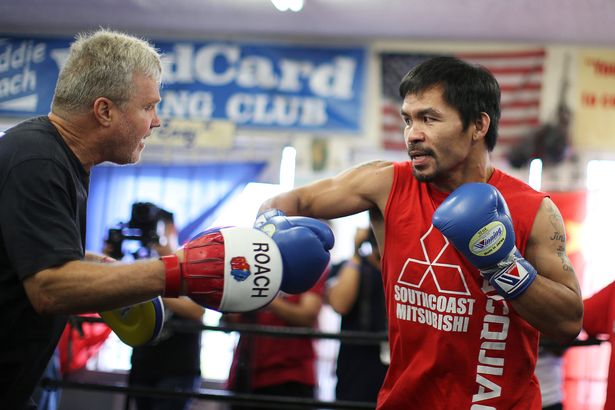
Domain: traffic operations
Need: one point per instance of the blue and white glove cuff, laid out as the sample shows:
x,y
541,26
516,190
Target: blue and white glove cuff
x,y
512,276
262,218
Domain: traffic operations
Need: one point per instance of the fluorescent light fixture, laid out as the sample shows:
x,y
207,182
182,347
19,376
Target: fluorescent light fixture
x,y
535,177
287,168
284,5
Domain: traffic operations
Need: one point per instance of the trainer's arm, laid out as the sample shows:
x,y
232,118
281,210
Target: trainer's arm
x,y
80,286
553,303
97,257
357,189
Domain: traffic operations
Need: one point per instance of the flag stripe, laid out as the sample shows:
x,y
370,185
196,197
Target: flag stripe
x,y
515,55
520,104
513,88
515,70
505,122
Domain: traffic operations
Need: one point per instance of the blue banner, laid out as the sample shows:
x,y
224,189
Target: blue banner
x,y
258,86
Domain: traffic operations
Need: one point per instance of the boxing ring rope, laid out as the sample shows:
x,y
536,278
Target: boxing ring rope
x,y
254,400
264,401
279,331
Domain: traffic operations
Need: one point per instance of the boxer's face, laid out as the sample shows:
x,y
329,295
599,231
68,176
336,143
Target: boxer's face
x,y
436,141
137,118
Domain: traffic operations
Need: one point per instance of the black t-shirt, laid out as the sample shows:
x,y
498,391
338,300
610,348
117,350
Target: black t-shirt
x,y
43,198
360,372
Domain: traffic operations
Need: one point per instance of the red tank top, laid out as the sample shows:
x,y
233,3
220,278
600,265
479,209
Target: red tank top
x,y
455,343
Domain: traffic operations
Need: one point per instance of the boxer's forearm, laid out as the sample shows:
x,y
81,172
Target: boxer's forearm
x,y
552,308
288,202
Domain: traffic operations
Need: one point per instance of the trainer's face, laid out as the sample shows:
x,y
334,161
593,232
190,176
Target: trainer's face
x,y
137,118
436,141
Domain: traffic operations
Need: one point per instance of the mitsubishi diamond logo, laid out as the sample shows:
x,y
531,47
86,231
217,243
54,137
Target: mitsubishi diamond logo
x,y
432,265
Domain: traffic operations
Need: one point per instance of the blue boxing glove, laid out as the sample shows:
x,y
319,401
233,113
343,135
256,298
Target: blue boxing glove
x,y
476,219
304,244
262,218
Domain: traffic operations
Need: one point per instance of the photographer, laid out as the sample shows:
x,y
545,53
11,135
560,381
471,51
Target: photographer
x,y
355,292
172,361
148,226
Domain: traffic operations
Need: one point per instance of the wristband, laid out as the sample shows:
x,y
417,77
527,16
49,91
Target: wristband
x,y
511,276
172,273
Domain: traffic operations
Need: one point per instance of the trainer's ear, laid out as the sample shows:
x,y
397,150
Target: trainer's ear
x,y
102,109
481,126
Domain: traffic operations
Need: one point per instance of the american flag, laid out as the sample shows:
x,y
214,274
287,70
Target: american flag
x,y
519,73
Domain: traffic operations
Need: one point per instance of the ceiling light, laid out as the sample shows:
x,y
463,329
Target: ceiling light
x,y
284,5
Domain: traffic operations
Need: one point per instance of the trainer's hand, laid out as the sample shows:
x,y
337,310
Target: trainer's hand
x,y
476,219
226,269
138,324
304,244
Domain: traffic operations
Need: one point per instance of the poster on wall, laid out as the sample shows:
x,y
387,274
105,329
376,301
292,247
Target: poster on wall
x,y
594,123
28,73
519,73
255,86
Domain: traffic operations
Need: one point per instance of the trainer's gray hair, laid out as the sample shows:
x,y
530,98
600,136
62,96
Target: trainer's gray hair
x,y
102,64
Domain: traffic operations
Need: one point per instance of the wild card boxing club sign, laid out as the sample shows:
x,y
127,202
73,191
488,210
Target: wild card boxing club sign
x,y
263,86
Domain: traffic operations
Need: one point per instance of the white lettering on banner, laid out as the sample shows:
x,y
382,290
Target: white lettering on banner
x,y
18,83
222,64
334,80
291,74
21,58
490,360
446,313
26,54
184,104
256,72
261,109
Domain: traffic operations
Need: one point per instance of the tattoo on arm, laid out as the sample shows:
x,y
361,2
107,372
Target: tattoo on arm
x,y
557,222
566,265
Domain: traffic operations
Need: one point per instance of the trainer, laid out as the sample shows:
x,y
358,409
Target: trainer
x,y
474,261
103,109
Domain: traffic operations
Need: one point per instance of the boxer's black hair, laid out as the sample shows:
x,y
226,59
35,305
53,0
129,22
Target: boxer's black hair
x,y
470,89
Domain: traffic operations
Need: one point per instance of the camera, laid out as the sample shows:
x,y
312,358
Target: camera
x,y
145,222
